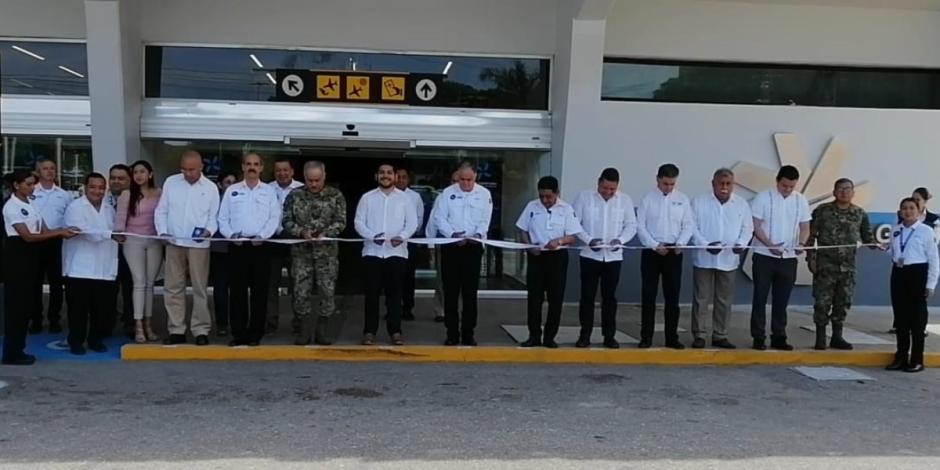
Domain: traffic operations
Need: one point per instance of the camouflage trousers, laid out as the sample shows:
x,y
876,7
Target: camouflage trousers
x,y
833,291
311,269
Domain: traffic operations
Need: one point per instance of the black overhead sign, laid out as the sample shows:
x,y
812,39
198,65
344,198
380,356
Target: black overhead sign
x,y
359,87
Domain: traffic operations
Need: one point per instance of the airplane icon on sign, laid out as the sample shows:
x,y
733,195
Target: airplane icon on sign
x,y
356,91
329,88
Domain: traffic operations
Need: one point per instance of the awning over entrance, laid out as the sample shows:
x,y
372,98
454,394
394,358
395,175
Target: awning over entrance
x,y
283,122
41,115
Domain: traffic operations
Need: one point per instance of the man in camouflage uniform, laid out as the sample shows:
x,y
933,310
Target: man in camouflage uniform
x,y
313,212
835,223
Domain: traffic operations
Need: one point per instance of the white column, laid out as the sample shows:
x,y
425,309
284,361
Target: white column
x,y
576,92
114,80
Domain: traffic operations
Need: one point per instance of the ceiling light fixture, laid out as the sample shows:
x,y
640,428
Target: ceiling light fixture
x,y
29,53
256,61
271,78
68,70
447,67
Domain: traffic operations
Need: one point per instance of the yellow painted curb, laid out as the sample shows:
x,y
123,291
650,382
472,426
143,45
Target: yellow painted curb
x,y
502,354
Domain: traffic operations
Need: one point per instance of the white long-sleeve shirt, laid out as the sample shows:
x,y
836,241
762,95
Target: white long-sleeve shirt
x,y
613,219
251,212
664,219
780,218
418,203
915,245
91,254
51,204
392,215
467,212
184,207
729,223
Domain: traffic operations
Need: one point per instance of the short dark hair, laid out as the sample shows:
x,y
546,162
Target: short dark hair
x,y
907,199
385,163
667,170
609,174
840,181
548,182
95,175
788,172
924,193
284,159
120,166
18,177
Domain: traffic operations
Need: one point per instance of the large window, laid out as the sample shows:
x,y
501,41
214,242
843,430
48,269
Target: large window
x,y
71,154
248,74
43,68
764,84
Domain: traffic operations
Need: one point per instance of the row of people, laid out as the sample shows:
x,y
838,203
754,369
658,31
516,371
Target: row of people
x,y
189,210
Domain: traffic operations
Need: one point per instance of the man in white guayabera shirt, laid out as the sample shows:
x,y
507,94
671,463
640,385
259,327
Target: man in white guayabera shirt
x,y
781,228
723,221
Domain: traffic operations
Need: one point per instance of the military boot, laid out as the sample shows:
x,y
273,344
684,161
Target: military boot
x,y
304,331
837,341
820,338
322,335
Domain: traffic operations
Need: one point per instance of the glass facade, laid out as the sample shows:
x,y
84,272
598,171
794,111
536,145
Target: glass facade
x,y
510,175
43,68
72,156
764,84
219,73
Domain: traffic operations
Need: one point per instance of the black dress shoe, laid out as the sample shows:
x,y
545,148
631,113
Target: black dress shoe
x,y
675,345
759,344
611,343
530,343
175,339
77,350
235,342
98,348
645,344
202,340
408,315
583,343
722,344
550,343
780,345
898,364
55,328
451,342
914,368
698,343
22,360
468,341
35,329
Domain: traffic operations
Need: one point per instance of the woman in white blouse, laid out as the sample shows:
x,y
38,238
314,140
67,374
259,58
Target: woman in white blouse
x,y
916,267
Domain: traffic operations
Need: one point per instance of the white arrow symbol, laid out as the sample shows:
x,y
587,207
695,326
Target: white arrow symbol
x,y
292,85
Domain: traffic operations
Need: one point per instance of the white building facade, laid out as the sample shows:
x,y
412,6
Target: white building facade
x,y
528,88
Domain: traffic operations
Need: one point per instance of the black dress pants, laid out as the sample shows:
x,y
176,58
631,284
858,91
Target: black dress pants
x,y
546,274
774,276
383,274
49,261
908,285
91,302
460,274
21,286
652,267
250,275
408,281
608,275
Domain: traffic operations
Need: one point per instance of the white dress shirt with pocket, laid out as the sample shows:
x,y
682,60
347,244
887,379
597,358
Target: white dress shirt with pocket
x,y
390,215
51,204
249,212
468,212
544,225
729,223
664,219
613,219
780,218
184,207
91,254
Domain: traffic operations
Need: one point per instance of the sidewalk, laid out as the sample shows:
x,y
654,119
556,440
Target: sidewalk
x,y
866,328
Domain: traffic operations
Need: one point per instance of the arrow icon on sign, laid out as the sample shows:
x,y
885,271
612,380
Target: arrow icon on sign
x,y
292,85
426,89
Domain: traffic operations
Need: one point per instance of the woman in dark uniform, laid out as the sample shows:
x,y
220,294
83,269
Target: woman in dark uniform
x,y
24,229
913,279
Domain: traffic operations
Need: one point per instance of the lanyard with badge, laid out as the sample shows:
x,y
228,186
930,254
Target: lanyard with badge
x,y
903,243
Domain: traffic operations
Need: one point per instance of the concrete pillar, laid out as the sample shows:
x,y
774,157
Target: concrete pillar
x,y
114,80
579,62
